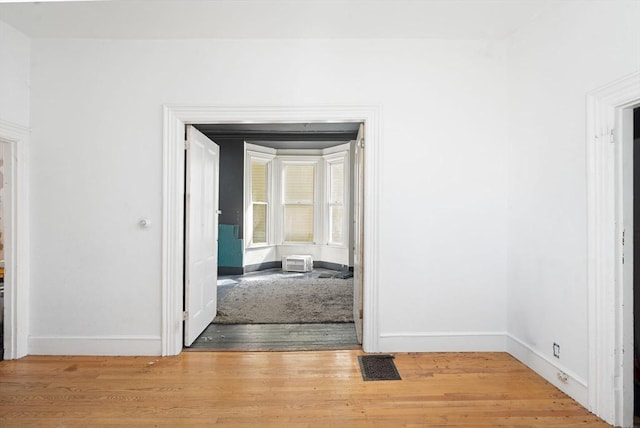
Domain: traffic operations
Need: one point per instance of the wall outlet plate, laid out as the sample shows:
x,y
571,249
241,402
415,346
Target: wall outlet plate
x,y
556,350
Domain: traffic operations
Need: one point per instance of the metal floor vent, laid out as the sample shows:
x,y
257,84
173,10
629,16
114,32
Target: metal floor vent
x,y
378,367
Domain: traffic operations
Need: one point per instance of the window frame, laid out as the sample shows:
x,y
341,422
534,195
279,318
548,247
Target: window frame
x,y
339,157
281,163
266,156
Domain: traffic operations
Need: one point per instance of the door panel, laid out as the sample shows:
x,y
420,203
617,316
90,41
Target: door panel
x,y
201,233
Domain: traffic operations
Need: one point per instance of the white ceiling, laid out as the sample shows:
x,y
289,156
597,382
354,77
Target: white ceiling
x,y
169,19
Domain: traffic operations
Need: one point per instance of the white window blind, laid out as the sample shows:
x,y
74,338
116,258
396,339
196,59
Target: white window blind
x,y
298,202
259,203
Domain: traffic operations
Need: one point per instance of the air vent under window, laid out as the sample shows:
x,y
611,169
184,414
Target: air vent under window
x,y
297,263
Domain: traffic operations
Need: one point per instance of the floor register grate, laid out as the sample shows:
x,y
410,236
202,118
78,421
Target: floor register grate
x,y
378,367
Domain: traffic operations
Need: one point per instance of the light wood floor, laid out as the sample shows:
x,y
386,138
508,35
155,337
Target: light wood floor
x,y
280,389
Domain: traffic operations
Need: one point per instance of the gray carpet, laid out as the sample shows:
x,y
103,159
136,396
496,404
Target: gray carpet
x,y
285,300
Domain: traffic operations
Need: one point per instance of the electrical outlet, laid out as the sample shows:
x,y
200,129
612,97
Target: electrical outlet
x,y
556,350
563,377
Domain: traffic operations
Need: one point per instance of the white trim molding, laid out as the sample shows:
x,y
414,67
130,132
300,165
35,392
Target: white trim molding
x,y
175,118
607,383
489,341
466,341
100,345
16,319
559,376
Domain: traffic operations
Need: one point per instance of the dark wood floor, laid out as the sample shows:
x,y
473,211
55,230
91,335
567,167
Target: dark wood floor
x,y
277,337
280,389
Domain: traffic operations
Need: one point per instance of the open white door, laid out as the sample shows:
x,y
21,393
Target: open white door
x,y
201,233
358,231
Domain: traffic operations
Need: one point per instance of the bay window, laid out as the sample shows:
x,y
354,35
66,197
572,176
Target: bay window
x,y
297,199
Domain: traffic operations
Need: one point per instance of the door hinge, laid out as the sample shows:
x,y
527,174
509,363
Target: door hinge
x,y
186,144
612,135
361,143
361,314
185,315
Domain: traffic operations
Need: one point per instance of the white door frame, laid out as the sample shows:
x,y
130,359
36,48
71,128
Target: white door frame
x,y
610,298
16,319
175,118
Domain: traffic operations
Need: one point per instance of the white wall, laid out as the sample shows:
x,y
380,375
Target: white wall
x,y
14,76
552,65
97,169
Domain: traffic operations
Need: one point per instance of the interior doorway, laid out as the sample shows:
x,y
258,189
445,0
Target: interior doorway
x,y
2,237
175,120
14,141
629,267
609,264
261,304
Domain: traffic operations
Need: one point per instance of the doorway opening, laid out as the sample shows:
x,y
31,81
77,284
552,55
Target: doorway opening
x,y
2,238
609,245
175,120
629,265
264,303
15,248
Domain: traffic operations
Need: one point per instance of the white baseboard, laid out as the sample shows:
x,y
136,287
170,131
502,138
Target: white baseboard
x,y
552,371
571,384
107,345
443,342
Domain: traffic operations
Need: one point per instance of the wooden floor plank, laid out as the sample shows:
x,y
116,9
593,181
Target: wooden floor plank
x,y
283,389
277,337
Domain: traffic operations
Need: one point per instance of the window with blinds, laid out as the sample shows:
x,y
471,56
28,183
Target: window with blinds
x,y
297,198
298,202
259,200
